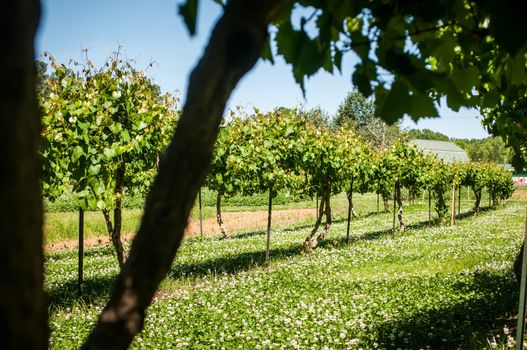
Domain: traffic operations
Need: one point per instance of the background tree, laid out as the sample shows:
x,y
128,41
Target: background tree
x,y
358,113
490,149
426,134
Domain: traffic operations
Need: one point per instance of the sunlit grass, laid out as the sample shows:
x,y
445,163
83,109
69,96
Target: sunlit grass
x,y
438,287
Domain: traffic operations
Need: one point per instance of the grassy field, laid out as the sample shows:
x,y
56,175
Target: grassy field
x,y
63,225
438,287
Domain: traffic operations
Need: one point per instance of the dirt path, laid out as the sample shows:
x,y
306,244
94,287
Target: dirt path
x,y
241,221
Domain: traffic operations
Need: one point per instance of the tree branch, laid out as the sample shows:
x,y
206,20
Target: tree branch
x,y
350,45
235,45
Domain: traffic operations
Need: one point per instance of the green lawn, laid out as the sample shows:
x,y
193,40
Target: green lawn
x,y
63,225
427,287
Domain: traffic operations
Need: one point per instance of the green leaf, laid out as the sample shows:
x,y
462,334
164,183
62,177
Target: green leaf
x,y
94,169
267,52
189,12
422,106
396,103
465,78
92,203
98,188
109,152
518,72
77,153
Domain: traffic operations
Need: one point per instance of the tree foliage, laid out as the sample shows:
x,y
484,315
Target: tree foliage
x,y
426,134
359,113
490,149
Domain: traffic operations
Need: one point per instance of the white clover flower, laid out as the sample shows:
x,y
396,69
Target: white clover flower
x,y
72,119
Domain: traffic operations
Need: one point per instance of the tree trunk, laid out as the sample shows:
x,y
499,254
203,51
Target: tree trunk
x,y
429,208
268,235
306,246
351,211
235,46
350,198
453,203
114,229
80,281
219,219
400,205
441,207
459,204
322,235
385,203
349,219
23,308
477,195
118,215
309,243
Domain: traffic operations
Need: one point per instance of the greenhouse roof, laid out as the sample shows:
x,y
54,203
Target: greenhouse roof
x,y
448,151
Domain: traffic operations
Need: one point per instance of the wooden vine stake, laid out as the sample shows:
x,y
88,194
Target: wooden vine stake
x,y
453,204
268,240
80,282
429,208
520,330
459,204
394,202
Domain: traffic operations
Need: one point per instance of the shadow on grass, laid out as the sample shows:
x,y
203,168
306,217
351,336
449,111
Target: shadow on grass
x,y
464,325
230,264
96,291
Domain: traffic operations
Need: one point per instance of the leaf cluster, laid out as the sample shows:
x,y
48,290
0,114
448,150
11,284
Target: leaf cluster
x,y
98,119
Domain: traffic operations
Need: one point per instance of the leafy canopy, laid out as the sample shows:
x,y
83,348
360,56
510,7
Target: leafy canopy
x,y
97,120
411,53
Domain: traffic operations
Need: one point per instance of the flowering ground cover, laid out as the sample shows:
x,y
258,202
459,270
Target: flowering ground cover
x,y
427,287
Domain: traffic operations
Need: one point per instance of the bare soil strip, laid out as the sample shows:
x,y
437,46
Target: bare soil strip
x,y
241,221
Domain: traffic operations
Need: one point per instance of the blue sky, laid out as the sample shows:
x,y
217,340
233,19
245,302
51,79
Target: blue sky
x,y
151,30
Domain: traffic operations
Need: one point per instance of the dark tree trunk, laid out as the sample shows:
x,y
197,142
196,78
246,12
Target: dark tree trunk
x,y
114,228
351,211
118,215
219,219
306,246
234,47
385,203
323,234
429,208
268,232
477,204
400,206
80,281
23,308
349,219
310,243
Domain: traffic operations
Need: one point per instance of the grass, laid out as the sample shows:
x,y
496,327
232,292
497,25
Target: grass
x,y
439,287
63,225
